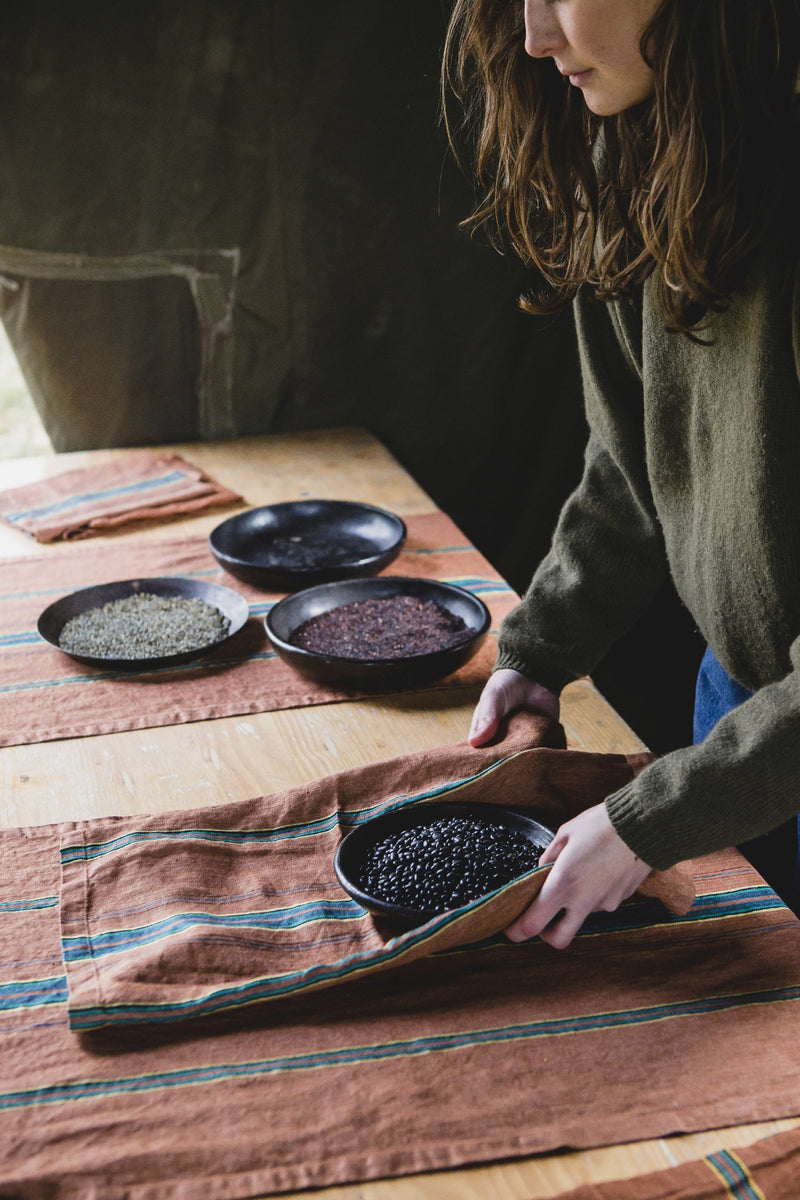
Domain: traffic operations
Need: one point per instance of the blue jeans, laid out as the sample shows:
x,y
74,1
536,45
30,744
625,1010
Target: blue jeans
x,y
775,854
715,695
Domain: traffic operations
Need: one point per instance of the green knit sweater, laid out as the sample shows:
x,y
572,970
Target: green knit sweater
x,y
692,469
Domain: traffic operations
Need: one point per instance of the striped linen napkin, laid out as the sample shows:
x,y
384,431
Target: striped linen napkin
x,y
193,913
768,1169
140,486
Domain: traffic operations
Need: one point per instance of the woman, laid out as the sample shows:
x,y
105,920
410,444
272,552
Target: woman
x,y
642,157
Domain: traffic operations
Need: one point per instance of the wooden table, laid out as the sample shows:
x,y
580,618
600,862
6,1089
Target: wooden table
x,y
234,758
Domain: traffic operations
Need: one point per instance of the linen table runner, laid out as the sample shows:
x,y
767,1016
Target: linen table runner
x,y
50,695
135,487
648,1023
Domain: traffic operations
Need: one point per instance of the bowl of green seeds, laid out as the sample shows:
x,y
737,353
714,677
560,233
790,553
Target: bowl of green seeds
x,y
141,624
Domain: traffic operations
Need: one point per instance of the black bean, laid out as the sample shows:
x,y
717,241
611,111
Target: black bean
x,y
446,863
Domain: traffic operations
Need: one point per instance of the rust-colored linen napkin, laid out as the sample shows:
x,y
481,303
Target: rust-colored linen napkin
x,y
139,486
192,913
54,696
483,1052
768,1169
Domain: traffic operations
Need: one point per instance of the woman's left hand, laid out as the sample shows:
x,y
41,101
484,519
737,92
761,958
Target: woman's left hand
x,y
593,869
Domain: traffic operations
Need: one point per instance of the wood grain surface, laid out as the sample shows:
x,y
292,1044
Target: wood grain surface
x,y
211,762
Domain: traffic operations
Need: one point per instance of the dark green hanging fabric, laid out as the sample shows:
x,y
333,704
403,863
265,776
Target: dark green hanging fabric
x,y
224,217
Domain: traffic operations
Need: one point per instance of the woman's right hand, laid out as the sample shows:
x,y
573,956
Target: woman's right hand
x,y
507,691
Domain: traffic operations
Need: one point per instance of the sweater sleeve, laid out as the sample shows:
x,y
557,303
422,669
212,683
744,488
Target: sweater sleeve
x,y
607,558
741,781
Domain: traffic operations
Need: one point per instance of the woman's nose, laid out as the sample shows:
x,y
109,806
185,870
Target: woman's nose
x,y
542,30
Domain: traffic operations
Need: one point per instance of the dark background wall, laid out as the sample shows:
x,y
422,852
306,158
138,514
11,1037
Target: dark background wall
x,y
224,217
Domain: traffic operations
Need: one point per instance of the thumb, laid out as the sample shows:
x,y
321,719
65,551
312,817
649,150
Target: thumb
x,y
484,724
550,852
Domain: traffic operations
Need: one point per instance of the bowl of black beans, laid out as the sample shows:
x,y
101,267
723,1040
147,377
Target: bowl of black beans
x,y
378,632
411,863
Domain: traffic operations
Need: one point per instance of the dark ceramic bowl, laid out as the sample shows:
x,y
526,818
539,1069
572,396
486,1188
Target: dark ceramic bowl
x,y
285,547
411,671
349,859
55,616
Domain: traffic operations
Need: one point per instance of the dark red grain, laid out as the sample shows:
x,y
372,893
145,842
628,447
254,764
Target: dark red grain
x,y
384,628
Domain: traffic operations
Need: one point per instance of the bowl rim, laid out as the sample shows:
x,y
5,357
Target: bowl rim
x,y
371,583
236,609
225,556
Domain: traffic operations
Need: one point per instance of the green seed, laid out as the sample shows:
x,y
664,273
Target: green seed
x,y
144,626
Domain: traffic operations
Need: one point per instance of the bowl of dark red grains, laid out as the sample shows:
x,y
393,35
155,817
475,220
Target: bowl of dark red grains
x,y
412,863
301,543
143,624
387,631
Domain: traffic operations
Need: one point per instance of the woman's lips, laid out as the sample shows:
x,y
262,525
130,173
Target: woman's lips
x,y
578,78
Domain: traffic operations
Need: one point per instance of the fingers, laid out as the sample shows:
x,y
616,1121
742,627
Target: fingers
x,y
552,850
546,908
485,721
545,702
569,893
562,929
494,704
547,919
505,692
590,869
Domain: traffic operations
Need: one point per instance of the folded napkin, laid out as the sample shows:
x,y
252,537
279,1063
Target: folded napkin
x,y
140,486
197,912
768,1169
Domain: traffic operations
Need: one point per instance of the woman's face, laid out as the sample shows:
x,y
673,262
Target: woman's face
x,y
596,44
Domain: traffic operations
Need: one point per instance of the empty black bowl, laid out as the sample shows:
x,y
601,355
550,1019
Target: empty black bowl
x,y
52,621
289,614
350,857
284,547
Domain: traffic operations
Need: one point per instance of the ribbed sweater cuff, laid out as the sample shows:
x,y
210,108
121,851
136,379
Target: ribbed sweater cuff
x,y
628,812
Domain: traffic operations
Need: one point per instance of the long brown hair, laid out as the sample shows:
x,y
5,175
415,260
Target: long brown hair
x,y
691,178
